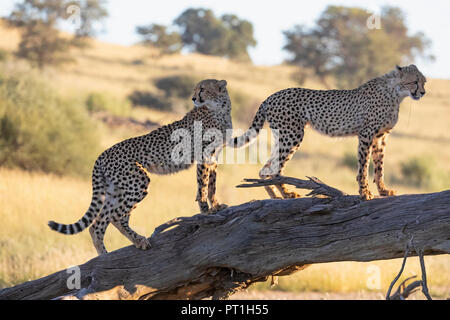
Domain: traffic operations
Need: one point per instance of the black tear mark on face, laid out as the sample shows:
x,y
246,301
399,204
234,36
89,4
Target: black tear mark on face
x,y
417,88
200,95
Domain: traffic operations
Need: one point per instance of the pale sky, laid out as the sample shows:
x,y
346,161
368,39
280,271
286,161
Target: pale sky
x,y
270,18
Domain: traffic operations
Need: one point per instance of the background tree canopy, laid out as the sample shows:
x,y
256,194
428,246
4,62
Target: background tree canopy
x,y
348,46
160,37
41,42
201,31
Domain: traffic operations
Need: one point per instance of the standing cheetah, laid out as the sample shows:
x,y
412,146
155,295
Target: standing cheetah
x,y
368,112
121,174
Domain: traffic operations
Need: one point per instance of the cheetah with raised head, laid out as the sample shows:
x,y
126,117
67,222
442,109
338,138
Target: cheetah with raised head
x,y
369,112
121,174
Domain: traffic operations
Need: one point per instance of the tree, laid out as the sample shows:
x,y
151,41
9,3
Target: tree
x,y
91,13
42,45
160,37
240,37
227,36
309,51
345,45
41,42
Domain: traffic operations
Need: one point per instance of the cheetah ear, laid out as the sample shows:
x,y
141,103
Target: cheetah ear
x,y
223,83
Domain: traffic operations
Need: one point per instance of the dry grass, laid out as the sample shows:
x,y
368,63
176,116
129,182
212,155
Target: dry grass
x,y
121,69
29,249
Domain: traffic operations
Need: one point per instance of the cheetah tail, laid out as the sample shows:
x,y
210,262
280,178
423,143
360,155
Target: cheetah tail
x,y
250,135
97,201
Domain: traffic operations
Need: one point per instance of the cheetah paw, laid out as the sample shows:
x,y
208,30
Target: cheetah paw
x,y
204,208
366,195
142,243
217,208
387,193
291,195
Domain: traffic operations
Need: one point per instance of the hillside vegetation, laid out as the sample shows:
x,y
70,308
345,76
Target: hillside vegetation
x,y
418,160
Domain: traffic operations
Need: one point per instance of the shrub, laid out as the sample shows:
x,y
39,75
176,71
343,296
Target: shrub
x,y
176,86
3,55
418,171
100,101
350,160
41,131
138,62
149,100
243,106
300,76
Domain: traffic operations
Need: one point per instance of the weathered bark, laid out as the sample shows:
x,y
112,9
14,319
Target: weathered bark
x,y
215,255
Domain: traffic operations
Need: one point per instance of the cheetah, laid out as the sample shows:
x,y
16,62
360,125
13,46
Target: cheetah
x,y
121,174
368,112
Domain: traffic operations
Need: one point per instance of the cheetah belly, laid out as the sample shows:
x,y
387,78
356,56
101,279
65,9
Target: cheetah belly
x,y
167,164
162,158
337,124
333,114
164,169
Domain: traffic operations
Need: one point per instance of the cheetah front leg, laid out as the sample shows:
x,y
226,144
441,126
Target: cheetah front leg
x,y
202,185
215,206
378,148
365,142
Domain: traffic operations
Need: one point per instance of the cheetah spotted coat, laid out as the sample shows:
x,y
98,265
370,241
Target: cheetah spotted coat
x,y
121,174
369,112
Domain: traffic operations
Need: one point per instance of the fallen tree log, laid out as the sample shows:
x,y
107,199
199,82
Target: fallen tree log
x,y
216,255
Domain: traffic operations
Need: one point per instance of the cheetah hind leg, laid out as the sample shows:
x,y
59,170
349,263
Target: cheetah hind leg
x,y
266,173
127,203
97,231
286,193
271,191
121,222
284,157
121,219
98,227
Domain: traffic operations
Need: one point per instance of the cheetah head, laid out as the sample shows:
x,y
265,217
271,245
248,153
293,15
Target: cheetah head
x,y
411,81
210,91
